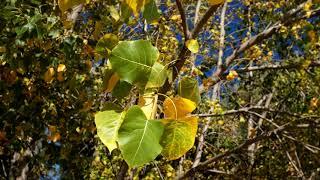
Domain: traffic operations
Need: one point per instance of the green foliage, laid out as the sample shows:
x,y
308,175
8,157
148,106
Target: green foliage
x,y
188,88
108,123
77,102
133,61
178,137
139,137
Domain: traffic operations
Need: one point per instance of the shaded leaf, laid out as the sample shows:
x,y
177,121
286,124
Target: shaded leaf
x,y
106,44
121,90
139,138
150,12
188,88
158,76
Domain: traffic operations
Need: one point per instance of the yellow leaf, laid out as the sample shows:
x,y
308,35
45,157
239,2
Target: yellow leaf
x,y
175,17
136,5
232,75
193,45
178,136
97,30
49,75
112,82
148,104
61,68
178,107
114,13
64,5
60,76
215,2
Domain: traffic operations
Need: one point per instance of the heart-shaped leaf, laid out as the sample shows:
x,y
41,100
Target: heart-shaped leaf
x,y
139,138
108,123
133,61
178,136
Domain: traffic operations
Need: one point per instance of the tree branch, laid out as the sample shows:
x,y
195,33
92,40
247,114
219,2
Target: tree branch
x,y
252,108
204,165
276,67
183,19
286,20
184,53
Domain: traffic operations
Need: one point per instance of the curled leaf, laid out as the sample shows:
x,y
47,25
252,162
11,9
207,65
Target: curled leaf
x,y
49,75
178,107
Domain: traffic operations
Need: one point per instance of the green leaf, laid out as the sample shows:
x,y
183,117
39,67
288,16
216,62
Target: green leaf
x,y
188,88
106,44
150,12
108,123
121,90
158,76
133,61
139,138
178,136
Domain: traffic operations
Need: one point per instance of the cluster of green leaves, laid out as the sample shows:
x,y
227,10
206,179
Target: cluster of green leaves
x,y
140,137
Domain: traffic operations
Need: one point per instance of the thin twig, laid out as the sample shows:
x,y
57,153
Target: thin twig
x,y
204,165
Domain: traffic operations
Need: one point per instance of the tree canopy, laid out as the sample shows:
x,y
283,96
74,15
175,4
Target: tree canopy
x,y
155,89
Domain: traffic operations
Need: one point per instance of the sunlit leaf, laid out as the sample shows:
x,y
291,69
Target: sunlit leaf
x,y
136,5
193,45
215,2
114,13
61,68
178,107
148,104
64,5
49,75
139,138
178,136
108,123
133,61
112,82
232,75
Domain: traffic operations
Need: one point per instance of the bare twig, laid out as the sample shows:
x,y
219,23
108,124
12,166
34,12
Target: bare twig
x,y
184,53
196,16
276,67
216,88
257,108
203,166
286,20
183,19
